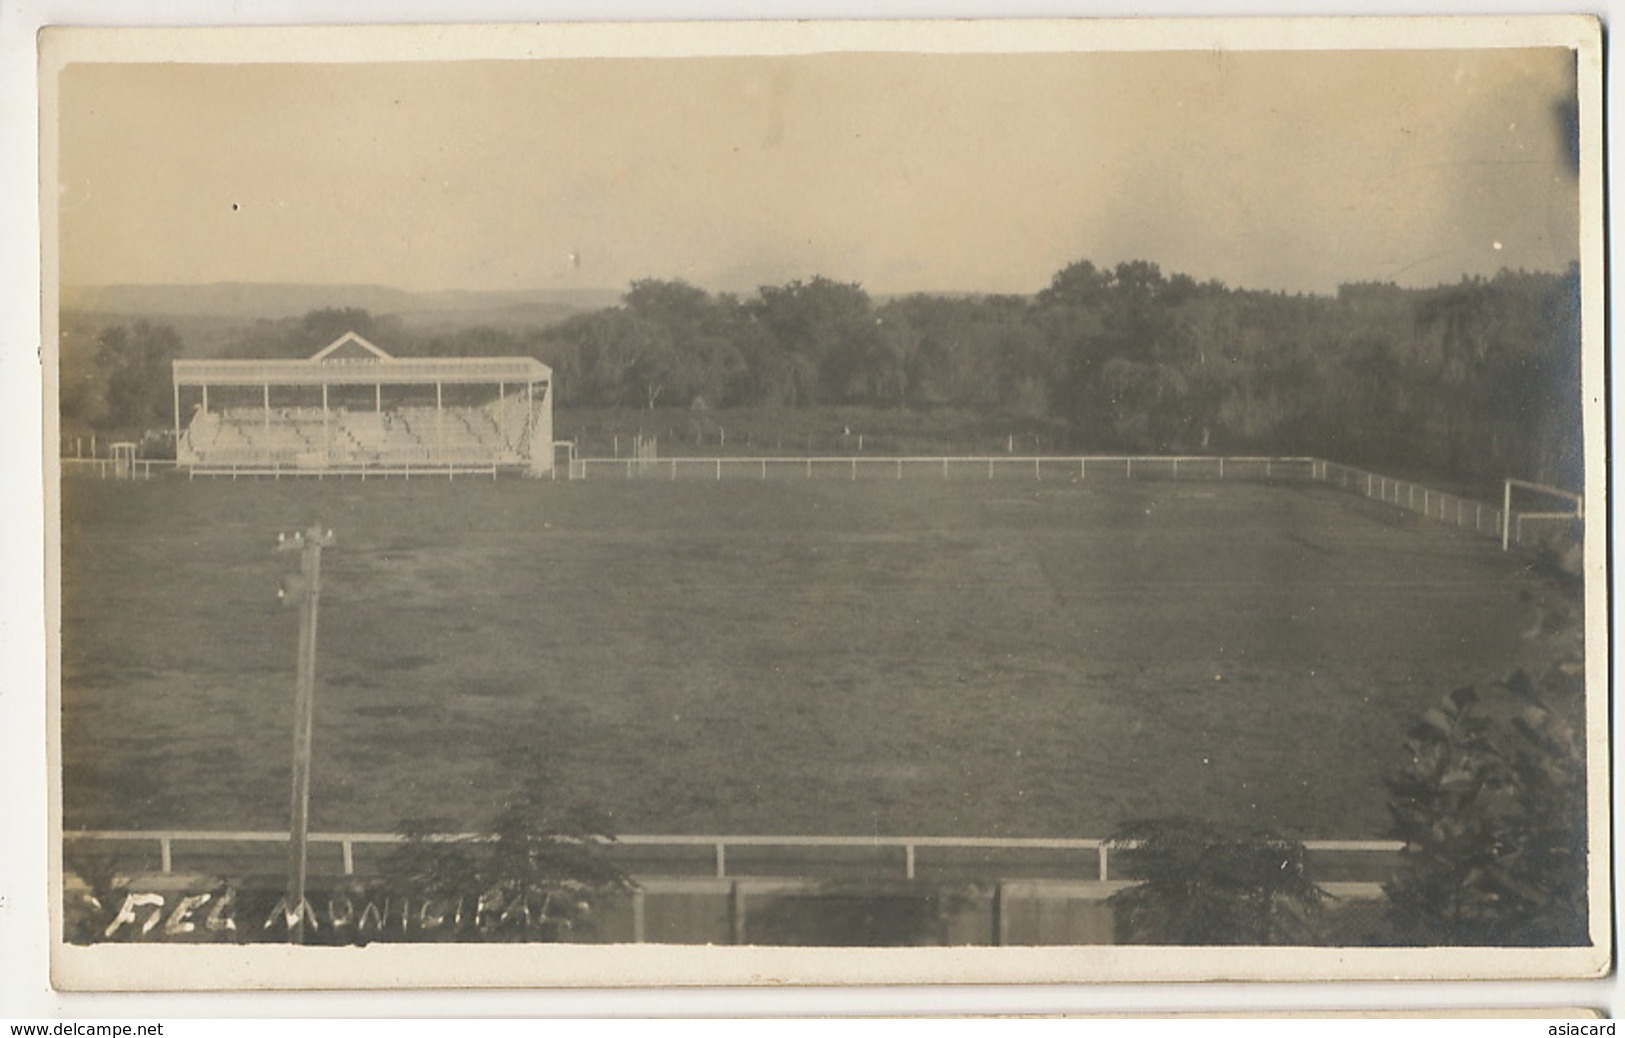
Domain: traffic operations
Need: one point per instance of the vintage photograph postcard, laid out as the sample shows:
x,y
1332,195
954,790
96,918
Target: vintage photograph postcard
x,y
826,503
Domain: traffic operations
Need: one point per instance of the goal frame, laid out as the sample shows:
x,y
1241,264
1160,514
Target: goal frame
x,y
1508,521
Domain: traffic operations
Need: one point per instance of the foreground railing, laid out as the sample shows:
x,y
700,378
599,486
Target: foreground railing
x,y
882,856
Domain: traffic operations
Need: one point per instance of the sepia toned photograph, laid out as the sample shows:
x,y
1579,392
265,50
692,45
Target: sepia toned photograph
x,y
961,502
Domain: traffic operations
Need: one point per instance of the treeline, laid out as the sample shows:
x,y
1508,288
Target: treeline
x,y
1472,381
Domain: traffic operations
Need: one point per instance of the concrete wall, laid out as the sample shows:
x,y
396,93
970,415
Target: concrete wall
x,y
901,913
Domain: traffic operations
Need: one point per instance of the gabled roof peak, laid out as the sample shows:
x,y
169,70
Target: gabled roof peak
x,y
357,343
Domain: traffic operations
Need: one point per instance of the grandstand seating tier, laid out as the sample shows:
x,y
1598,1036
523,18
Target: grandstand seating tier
x,y
310,437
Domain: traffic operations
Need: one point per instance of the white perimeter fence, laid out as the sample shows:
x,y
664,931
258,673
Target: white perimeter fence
x,y
1464,513
1506,523
1501,521
855,467
114,468
726,857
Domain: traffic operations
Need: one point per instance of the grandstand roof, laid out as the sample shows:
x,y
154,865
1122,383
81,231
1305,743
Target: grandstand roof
x,y
352,360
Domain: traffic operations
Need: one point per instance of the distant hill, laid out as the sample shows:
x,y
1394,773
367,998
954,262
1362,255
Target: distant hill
x,y
253,301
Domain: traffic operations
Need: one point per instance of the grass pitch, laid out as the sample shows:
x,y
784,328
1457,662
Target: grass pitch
x,y
969,658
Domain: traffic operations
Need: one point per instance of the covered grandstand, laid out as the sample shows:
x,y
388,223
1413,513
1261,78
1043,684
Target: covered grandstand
x,y
352,409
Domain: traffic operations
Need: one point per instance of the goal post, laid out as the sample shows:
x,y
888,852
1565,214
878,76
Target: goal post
x,y
1546,504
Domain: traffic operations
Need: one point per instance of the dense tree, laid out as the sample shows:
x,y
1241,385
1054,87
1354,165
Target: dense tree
x,y
297,337
1472,381
1078,284
1502,356
698,363
1132,357
135,364
833,326
604,348
320,327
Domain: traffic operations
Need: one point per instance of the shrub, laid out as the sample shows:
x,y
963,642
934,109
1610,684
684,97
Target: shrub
x,y
1492,811
1203,886
534,874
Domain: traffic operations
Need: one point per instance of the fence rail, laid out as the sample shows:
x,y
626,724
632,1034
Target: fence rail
x,y
1451,509
107,468
885,856
142,469
1459,511
995,466
364,472
1441,506
1464,513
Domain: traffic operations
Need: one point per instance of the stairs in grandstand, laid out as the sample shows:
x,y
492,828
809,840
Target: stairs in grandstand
x,y
374,438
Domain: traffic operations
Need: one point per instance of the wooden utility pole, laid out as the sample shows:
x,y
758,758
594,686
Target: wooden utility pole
x,y
304,590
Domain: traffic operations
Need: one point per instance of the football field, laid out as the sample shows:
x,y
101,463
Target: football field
x,y
966,658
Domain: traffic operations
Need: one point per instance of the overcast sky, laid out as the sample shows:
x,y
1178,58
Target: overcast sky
x,y
1274,170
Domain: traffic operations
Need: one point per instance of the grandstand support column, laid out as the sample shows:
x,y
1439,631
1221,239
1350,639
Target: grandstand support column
x,y
327,436
439,424
378,398
267,409
177,388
